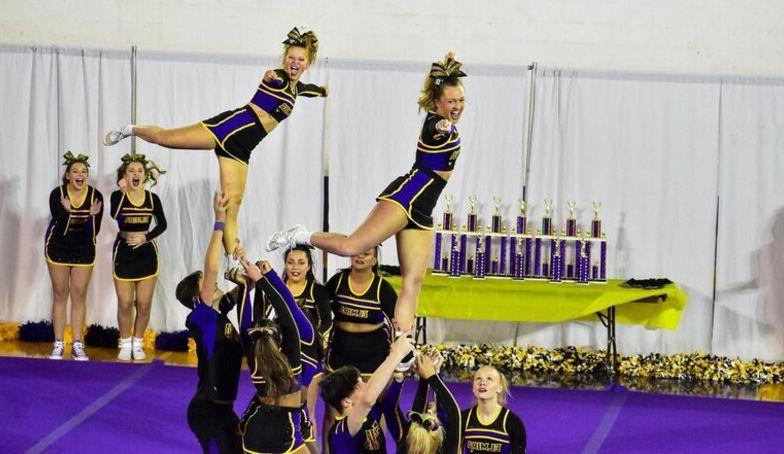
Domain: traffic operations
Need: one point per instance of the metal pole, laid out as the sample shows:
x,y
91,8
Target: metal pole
x,y
529,127
133,96
527,136
325,178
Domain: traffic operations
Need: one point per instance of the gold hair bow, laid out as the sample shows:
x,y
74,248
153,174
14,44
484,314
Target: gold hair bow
x,y
138,157
307,39
70,159
448,69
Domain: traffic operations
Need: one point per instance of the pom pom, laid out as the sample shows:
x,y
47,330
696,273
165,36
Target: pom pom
x,y
99,336
177,341
42,331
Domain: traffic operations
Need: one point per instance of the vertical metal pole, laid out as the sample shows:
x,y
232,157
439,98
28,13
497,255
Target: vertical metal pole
x,y
527,138
325,178
133,96
529,127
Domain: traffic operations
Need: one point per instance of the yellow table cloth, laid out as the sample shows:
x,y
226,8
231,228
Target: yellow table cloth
x,y
466,298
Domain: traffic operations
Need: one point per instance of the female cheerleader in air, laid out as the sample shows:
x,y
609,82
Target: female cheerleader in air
x,y
489,425
135,252
405,207
77,209
235,133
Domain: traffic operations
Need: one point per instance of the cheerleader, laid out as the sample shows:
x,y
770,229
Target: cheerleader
x,y
271,423
362,305
219,351
490,427
135,252
404,208
422,430
77,209
235,133
357,404
314,300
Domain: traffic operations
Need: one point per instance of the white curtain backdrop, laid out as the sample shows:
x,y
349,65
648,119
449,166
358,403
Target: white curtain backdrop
x,y
645,146
749,319
284,176
51,101
657,150
374,127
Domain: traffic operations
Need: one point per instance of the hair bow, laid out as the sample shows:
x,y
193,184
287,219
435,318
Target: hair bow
x,y
449,69
137,157
70,159
428,423
295,38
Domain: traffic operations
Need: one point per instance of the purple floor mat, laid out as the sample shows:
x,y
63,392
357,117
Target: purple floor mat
x,y
65,406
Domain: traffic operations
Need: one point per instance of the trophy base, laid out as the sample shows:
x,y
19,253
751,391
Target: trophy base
x,y
556,282
598,282
496,276
480,278
538,278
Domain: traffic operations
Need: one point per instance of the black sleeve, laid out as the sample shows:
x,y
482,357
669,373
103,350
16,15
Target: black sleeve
x,y
397,423
290,342
516,430
420,398
429,128
332,284
160,218
450,415
98,216
114,203
310,90
388,298
321,295
55,207
332,289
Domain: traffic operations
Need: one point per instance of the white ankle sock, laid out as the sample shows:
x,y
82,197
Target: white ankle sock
x,y
127,130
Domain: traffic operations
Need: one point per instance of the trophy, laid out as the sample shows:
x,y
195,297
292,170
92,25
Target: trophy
x,y
547,220
596,224
472,217
556,262
446,226
479,271
519,230
571,222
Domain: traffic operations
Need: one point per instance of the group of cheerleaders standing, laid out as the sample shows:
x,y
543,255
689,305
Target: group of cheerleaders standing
x,y
77,210
349,342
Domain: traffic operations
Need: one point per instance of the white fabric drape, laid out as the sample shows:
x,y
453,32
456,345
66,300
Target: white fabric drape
x,y
51,101
646,147
657,150
749,319
374,128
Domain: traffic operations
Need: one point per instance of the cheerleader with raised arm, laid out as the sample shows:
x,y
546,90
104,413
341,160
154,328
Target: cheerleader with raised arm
x,y
235,133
